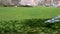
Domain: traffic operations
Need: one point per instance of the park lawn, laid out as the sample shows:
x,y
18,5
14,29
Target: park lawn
x,y
28,26
13,13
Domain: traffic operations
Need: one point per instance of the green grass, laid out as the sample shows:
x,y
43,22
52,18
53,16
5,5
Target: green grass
x,y
30,26
13,13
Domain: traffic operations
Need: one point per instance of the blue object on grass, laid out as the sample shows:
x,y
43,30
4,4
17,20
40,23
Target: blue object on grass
x,y
52,21
55,19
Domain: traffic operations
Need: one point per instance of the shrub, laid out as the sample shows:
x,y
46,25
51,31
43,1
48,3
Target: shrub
x,y
28,26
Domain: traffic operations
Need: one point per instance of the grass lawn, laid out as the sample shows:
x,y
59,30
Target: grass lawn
x,y
29,26
7,13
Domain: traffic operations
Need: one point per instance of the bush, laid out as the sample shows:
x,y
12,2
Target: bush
x,y
28,26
